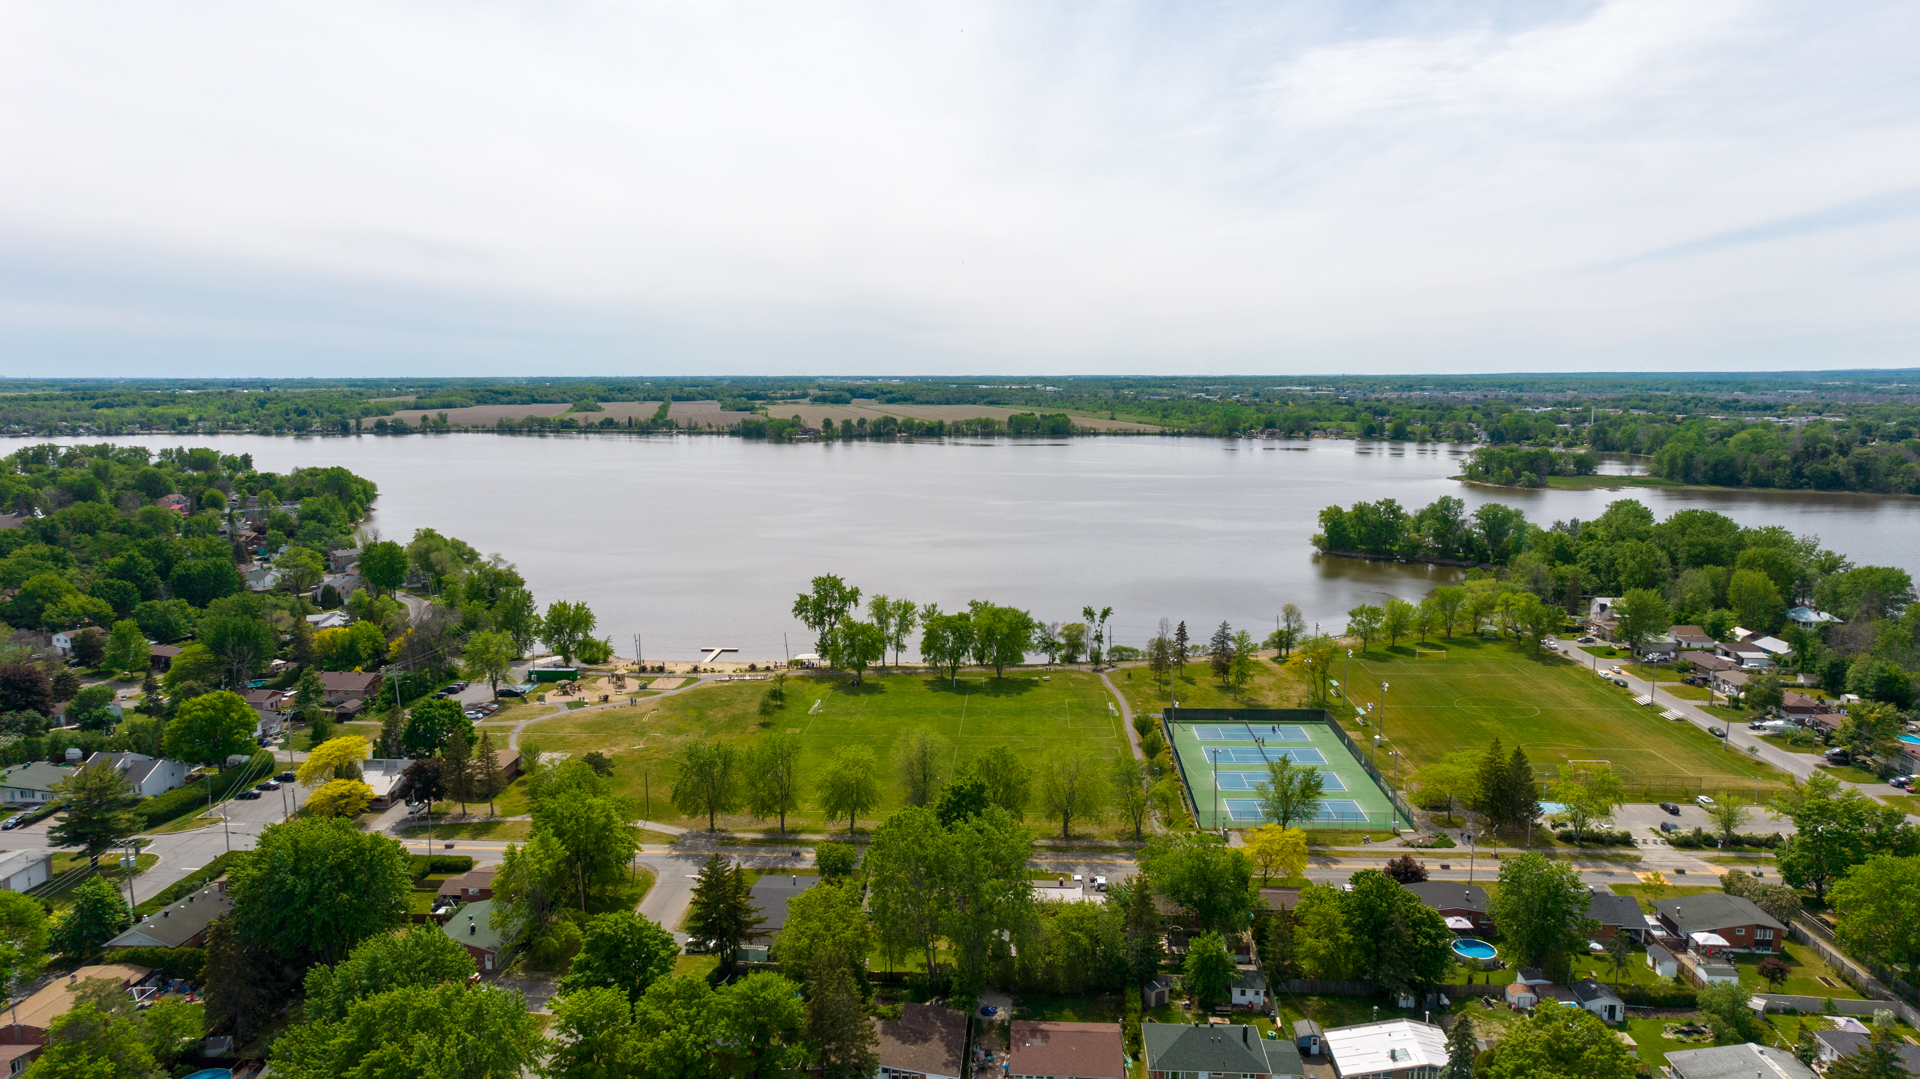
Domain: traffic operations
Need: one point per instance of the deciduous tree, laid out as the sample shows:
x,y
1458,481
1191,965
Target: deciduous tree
x,y
565,626
773,777
1072,785
1209,971
1364,622
848,788
315,887
210,728
1541,911
1291,792
1277,849
621,950
922,757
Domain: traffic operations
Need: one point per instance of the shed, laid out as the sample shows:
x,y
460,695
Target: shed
x,y
1308,1037
1599,1000
1155,993
1521,995
1661,961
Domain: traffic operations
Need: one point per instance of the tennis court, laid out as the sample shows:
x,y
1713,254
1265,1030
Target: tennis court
x,y
1224,763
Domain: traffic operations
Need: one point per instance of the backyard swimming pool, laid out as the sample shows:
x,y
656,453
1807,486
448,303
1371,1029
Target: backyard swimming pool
x,y
1473,949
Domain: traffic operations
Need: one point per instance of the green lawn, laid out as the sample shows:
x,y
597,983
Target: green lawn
x,y
1274,685
1549,706
1032,713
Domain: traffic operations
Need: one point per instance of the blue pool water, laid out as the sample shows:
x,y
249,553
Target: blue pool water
x,y
1911,739
1473,949
213,1073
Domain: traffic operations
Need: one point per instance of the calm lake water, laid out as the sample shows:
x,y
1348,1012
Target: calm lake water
x,y
699,541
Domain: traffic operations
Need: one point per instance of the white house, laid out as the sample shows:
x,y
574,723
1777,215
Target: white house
x,y
262,578
1809,617
329,619
149,775
1400,1048
63,639
31,782
1661,962
1599,1000
1772,646
1249,988
24,869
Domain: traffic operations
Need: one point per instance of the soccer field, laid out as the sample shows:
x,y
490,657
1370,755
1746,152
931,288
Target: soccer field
x,y
1554,709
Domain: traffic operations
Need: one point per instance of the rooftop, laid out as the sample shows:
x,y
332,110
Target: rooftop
x,y
1450,895
1736,1062
472,926
1392,1045
925,1038
772,894
1713,910
1085,1050
1235,1049
53,1001
171,927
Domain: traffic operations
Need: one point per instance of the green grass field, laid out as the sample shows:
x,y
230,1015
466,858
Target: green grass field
x,y
1030,713
1555,710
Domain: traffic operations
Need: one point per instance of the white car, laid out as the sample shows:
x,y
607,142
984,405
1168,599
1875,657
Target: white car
x,y
1704,802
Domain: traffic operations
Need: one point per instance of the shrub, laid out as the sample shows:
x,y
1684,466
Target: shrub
x,y
1664,996
423,864
188,963
1597,837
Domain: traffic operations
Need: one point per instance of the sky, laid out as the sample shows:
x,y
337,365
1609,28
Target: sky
x,y
346,188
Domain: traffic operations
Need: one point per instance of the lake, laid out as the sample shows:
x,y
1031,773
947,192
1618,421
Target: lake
x,y
704,541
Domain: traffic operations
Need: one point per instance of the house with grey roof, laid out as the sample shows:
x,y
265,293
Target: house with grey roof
x,y
1454,900
150,776
770,897
31,783
182,925
1736,1062
1177,1050
1835,1044
471,927
1616,914
1716,921
1598,999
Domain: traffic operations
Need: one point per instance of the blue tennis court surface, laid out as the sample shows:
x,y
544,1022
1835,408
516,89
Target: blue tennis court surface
x,y
1250,734
1246,781
1337,810
1250,755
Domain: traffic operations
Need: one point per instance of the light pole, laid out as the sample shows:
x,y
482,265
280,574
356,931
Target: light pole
x,y
1346,673
1470,853
1215,755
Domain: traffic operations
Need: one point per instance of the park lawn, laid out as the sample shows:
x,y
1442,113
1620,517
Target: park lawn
x,y
1545,705
1032,712
1274,685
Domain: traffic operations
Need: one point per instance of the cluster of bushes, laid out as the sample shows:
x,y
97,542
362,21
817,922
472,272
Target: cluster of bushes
x,y
1700,838
1597,837
1511,466
1778,900
421,865
1663,996
179,802
187,963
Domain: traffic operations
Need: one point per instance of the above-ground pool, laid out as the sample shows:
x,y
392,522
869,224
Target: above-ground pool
x,y
1476,950
213,1073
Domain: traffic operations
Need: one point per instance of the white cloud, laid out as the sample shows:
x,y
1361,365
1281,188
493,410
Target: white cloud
x,y
198,188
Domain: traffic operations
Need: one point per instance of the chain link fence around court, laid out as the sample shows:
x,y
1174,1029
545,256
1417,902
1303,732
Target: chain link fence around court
x,y
1369,804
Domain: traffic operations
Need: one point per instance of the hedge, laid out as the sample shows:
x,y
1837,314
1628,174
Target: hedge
x,y
188,963
1699,839
192,882
161,808
424,864
1665,996
1597,837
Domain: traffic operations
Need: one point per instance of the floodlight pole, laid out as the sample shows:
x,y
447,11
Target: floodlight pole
x,y
1215,755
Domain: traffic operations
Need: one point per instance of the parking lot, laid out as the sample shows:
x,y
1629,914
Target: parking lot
x,y
1637,817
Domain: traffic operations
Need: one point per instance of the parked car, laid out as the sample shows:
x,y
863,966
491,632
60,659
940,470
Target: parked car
x,y
989,1010
269,785
1839,755
1669,826
1716,732
1099,884
1670,808
1621,682
1586,640
13,822
285,777
1902,782
512,691
1704,801
248,796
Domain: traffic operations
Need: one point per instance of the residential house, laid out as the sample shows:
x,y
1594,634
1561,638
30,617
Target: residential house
x,y
1745,653
770,897
26,868
270,705
1453,899
334,619
1736,1062
31,783
1599,1000
63,638
1066,892
1709,662
1661,961
347,691
382,774
1691,637
29,1020
1835,1044
1249,988
1775,648
1728,683
262,578
471,927
1616,914
1736,920
1600,610
161,656
150,776
343,560
1799,706
176,502
470,887
1065,1051
1809,617
1394,1049
1178,1050
16,1059
926,1042
344,585
1825,723
182,925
